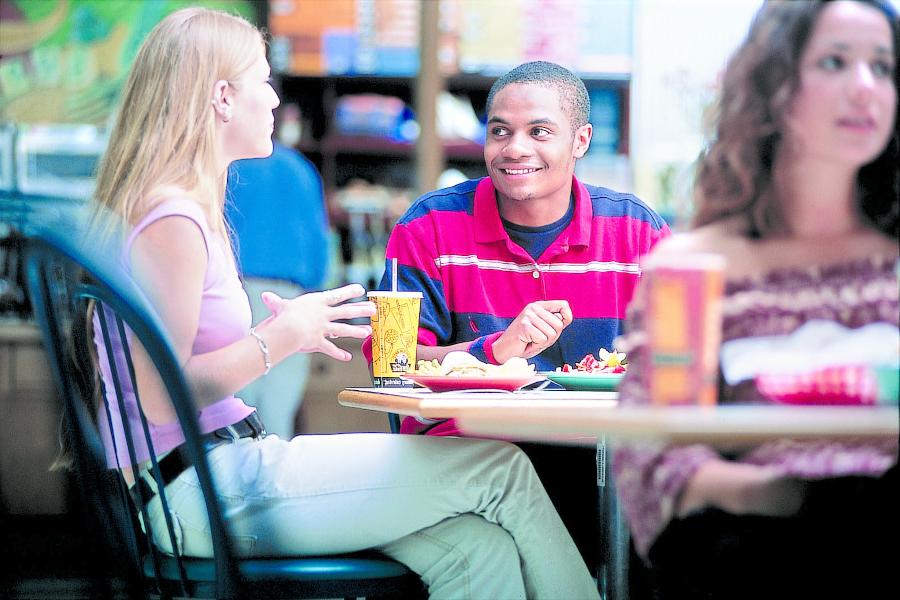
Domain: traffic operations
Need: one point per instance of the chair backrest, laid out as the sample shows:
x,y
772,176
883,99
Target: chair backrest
x,y
64,273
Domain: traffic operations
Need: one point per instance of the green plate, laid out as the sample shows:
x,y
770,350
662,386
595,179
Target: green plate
x,y
585,381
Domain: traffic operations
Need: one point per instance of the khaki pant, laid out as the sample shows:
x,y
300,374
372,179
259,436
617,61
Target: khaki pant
x,y
469,516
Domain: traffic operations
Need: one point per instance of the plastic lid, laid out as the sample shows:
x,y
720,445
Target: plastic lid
x,y
390,294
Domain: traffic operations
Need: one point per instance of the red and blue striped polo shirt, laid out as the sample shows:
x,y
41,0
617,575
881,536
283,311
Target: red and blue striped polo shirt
x,y
451,246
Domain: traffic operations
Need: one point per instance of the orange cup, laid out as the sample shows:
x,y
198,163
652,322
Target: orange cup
x,y
684,326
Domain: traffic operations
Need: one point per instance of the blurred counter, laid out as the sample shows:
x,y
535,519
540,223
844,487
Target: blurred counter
x,y
29,411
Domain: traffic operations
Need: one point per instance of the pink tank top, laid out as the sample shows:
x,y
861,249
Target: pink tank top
x,y
224,319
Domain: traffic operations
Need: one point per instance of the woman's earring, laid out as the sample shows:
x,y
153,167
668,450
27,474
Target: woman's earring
x,y
223,109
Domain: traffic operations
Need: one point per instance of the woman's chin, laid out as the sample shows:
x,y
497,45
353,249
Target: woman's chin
x,y
264,150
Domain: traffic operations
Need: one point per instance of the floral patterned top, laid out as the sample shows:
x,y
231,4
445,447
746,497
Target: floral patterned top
x,y
650,476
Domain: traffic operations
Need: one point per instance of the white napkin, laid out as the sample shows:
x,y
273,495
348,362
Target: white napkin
x,y
815,345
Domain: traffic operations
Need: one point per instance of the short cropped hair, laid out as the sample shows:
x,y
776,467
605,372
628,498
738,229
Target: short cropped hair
x,y
572,93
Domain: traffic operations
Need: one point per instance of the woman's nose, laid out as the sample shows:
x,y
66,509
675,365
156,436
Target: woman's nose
x,y
862,82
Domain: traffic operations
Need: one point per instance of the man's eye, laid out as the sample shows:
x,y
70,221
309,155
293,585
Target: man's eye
x,y
540,132
499,131
832,63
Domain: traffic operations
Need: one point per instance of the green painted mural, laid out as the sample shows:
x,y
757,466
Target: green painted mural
x,y
64,61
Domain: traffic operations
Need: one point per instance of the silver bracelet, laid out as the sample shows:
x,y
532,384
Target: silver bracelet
x,y
264,348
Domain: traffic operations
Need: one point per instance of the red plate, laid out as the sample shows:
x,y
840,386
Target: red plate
x,y
449,383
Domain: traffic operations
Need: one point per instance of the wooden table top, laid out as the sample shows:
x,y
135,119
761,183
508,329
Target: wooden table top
x,y
580,417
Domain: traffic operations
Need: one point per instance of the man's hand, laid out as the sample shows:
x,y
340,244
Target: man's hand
x,y
536,328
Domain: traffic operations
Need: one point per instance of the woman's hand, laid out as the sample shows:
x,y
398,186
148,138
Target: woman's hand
x,y
308,322
536,328
741,489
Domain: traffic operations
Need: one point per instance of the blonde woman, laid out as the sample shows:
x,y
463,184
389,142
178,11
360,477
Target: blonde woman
x,y
470,517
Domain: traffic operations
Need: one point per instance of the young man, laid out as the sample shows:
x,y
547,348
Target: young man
x,y
529,261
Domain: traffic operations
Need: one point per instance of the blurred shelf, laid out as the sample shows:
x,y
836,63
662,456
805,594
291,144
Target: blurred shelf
x,y
336,144
459,81
343,158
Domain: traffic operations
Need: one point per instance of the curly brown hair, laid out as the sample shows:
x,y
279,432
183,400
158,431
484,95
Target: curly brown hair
x,y
734,175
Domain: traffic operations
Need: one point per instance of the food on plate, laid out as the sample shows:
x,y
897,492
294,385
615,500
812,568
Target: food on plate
x,y
610,363
463,364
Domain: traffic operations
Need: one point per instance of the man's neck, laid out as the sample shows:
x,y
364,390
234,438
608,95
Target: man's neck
x,y
535,212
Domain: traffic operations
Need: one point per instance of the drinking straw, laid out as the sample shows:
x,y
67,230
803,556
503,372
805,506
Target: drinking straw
x,y
393,274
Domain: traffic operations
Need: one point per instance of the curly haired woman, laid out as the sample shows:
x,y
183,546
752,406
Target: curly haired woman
x,y
799,192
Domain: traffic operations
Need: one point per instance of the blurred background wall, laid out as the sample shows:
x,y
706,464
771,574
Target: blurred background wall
x,y
350,73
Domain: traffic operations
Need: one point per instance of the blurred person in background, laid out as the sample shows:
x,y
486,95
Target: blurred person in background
x,y
528,262
276,209
799,192
469,516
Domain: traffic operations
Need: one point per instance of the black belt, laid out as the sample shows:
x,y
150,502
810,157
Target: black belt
x,y
178,461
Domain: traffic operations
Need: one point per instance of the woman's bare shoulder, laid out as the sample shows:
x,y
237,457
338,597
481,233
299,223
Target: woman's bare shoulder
x,y
723,238
177,236
884,245
726,239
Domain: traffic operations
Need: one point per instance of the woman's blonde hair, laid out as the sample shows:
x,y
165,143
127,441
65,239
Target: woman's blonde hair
x,y
164,137
164,134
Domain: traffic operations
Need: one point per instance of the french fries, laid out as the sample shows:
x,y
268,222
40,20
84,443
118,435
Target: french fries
x,y
459,364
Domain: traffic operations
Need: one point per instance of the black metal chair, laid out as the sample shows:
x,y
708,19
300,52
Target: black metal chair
x,y
64,274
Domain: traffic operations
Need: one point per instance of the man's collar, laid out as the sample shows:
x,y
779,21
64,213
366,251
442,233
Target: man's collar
x,y
489,227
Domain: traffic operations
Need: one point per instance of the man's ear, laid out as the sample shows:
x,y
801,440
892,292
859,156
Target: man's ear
x,y
582,140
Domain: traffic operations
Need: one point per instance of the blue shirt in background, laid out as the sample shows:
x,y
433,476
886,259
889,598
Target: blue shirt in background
x,y
276,208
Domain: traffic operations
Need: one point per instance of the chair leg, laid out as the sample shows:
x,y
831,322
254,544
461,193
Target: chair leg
x,y
612,572
619,549
394,422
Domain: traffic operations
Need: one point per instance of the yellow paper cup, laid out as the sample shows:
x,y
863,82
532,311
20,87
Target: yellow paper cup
x,y
395,332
